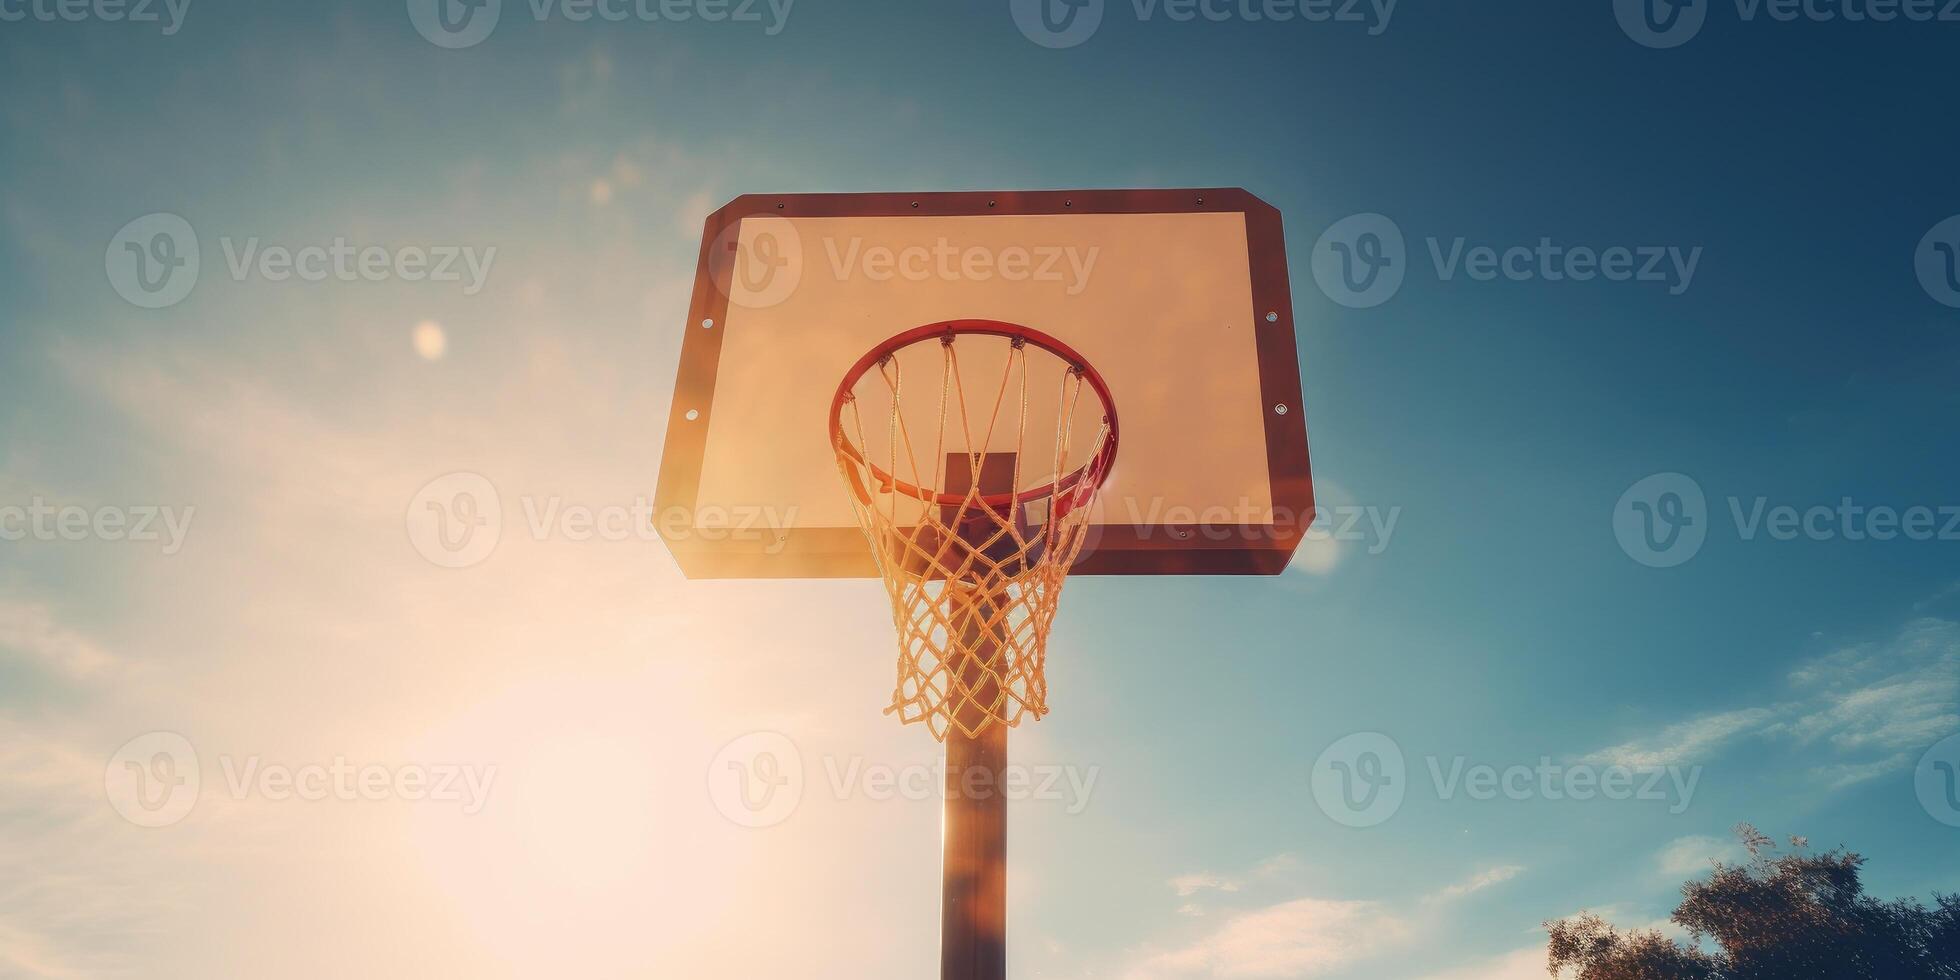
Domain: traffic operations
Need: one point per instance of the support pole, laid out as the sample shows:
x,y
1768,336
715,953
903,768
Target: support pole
x,y
973,913
973,917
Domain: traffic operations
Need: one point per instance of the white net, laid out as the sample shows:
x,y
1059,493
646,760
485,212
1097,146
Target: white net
x,y
973,549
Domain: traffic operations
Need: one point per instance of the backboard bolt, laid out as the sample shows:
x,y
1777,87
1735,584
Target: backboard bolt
x,y
1272,317
708,324
693,414
1281,409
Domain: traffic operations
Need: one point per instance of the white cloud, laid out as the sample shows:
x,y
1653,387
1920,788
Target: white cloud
x,y
1519,964
1476,883
24,954
1851,774
1871,705
1690,856
1304,937
1277,864
1952,590
1670,929
1897,697
1301,938
692,211
75,882
1685,741
28,630
1191,884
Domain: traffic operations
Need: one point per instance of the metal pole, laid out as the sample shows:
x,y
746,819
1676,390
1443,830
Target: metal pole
x,y
973,911
973,917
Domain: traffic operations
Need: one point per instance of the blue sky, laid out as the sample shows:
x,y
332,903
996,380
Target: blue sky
x,y
1501,421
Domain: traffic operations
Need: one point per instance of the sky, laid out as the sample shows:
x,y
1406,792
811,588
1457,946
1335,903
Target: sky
x,y
519,767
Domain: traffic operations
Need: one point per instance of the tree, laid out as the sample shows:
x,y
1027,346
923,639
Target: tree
x,y
1793,916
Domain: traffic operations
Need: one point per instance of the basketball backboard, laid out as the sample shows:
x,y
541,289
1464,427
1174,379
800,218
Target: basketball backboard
x,y
1179,299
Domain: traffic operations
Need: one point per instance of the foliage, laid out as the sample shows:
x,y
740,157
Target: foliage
x,y
1790,916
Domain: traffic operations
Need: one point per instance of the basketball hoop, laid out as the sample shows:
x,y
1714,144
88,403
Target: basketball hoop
x,y
974,452
972,551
